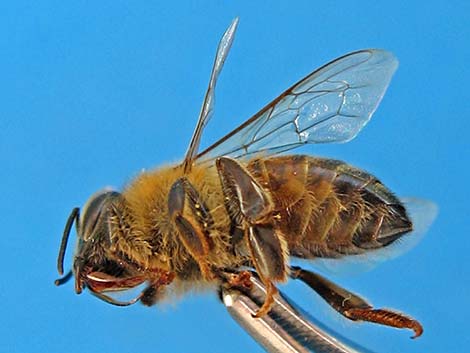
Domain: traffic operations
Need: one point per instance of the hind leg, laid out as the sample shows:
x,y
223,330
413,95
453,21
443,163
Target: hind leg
x,y
352,306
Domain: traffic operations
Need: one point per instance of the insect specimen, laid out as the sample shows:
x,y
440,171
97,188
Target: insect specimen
x,y
240,204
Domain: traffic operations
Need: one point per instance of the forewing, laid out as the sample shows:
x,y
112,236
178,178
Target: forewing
x,y
332,104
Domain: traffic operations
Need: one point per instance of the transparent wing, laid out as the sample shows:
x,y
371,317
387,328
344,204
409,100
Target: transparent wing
x,y
208,104
332,104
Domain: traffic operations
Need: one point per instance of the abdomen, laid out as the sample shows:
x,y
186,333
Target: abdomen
x,y
327,208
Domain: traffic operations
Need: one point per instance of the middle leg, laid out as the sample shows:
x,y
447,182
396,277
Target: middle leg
x,y
252,208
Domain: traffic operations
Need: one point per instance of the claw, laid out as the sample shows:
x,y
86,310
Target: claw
x,y
271,291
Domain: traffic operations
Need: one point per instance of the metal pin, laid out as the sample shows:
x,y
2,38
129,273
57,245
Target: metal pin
x,y
284,329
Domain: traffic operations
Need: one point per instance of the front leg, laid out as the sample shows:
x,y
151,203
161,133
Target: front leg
x,y
157,288
252,208
192,226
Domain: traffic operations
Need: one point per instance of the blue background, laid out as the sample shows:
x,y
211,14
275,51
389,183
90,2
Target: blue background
x,y
94,91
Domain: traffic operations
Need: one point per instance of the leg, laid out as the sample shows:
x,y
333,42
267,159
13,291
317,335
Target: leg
x,y
192,228
156,289
235,279
250,205
351,305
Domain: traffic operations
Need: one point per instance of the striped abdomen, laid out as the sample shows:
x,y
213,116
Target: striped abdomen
x,y
327,208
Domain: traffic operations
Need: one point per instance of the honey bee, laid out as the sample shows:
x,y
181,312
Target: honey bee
x,y
241,206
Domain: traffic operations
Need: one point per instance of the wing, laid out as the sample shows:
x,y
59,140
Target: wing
x,y
208,104
332,104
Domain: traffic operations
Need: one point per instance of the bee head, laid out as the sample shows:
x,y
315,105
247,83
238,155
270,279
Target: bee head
x,y
94,266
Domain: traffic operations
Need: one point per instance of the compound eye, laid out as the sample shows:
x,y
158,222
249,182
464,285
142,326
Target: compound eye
x,y
92,211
